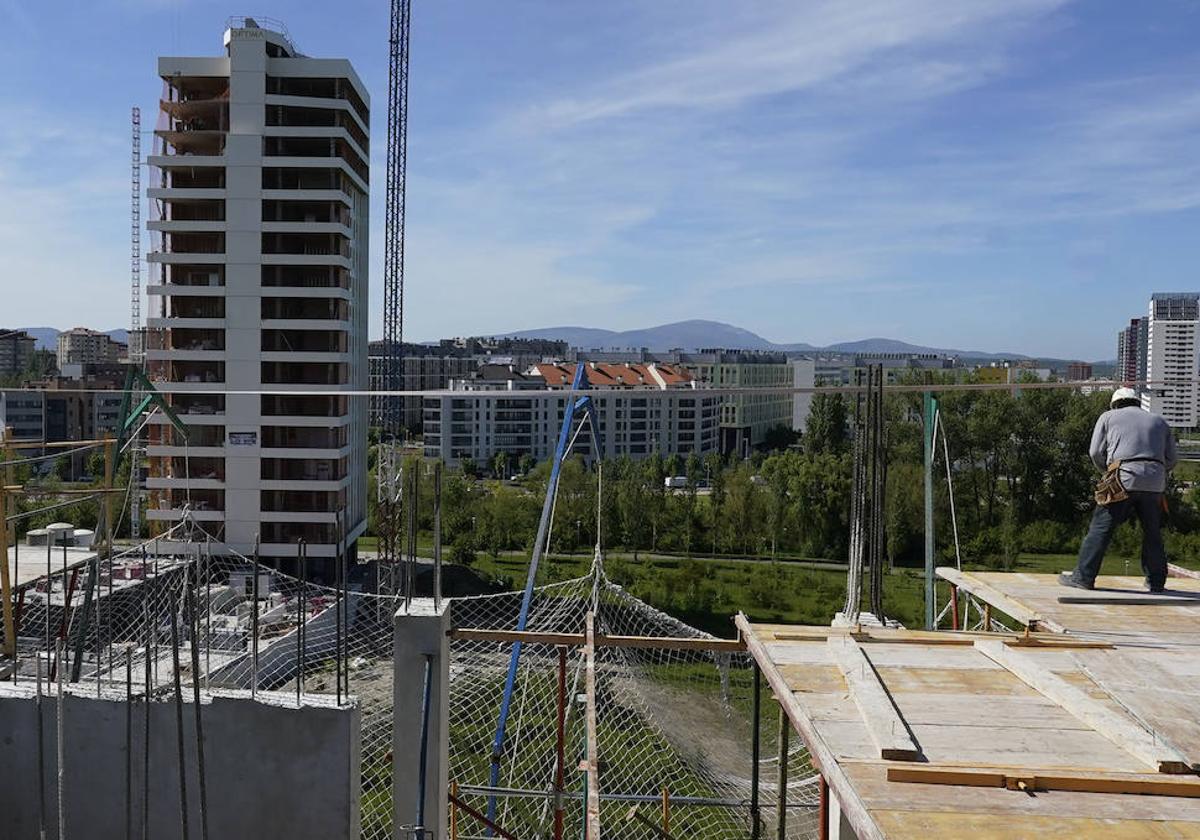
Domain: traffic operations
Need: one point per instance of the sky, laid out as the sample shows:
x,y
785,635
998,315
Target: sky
x,y
1003,175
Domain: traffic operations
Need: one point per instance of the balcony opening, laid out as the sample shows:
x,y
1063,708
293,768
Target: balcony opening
x,y
195,339
305,276
195,178
178,274
194,243
315,244
303,469
304,373
193,210
305,211
304,437
203,404
194,307
308,406
304,309
304,341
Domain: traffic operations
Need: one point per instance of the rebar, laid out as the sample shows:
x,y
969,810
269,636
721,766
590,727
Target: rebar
x,y
177,679
128,745
254,624
301,561
202,782
41,743
61,753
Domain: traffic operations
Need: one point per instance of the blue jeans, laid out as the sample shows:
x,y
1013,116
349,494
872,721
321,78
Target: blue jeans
x,y
1106,519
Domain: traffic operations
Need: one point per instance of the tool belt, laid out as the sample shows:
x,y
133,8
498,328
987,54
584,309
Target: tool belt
x,y
1109,489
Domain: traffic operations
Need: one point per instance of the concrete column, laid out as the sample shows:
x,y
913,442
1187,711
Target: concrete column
x,y
421,632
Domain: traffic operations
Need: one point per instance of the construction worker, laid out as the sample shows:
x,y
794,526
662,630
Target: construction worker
x,y
1136,448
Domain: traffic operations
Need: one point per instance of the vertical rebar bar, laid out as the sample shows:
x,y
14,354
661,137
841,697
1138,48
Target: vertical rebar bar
x,y
756,727
178,683
61,752
17,612
337,614
149,685
202,780
254,625
41,742
129,744
301,562
785,730
49,586
423,766
208,610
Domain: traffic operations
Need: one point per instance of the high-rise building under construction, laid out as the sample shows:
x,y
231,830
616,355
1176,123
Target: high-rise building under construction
x,y
258,328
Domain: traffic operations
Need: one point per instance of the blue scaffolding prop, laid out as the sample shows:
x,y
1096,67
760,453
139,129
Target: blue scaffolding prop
x,y
585,405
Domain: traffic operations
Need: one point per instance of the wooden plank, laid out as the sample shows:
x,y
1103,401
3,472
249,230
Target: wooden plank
x,y
872,784
1143,784
1176,599
990,594
530,637
821,756
893,635
1119,728
593,741
887,728
668,643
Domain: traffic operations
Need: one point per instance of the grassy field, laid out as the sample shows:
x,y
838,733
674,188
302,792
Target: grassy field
x,y
782,592
706,591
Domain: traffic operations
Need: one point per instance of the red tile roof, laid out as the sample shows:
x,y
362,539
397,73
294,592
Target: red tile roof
x,y
611,375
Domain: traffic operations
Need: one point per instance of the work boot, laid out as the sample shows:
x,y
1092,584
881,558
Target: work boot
x,y
1072,580
1155,589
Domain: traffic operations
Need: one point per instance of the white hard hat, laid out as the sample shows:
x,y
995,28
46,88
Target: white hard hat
x,y
1123,394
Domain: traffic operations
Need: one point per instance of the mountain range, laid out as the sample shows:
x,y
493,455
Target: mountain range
x,y
697,334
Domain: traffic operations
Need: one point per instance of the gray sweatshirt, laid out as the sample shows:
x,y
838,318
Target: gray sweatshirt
x,y
1124,433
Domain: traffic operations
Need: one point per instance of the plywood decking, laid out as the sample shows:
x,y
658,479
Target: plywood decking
x,y
1021,705
1119,608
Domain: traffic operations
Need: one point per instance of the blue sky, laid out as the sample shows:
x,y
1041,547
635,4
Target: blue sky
x,y
998,174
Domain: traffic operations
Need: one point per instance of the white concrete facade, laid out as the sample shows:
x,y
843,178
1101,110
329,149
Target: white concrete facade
x,y
1173,359
81,346
259,286
634,422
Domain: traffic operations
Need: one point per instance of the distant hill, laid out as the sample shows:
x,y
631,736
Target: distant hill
x,y
47,337
687,335
695,335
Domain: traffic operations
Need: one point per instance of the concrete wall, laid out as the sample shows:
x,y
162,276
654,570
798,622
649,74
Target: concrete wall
x,y
272,770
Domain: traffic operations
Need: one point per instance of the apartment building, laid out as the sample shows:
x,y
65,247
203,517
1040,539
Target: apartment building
x,y
423,368
641,409
259,284
16,351
81,346
1131,351
1079,371
1173,358
746,418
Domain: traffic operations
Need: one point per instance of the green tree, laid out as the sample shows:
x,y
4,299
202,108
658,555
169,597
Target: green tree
x,y
827,429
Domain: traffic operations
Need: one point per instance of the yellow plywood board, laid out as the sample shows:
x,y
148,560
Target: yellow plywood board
x,y
931,825
1040,594
965,710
